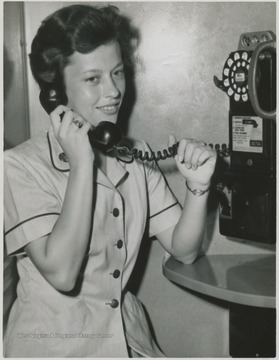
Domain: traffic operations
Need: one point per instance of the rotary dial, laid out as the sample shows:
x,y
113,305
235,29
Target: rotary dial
x,y
235,75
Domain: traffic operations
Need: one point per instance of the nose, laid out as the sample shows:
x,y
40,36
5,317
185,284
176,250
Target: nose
x,y
110,88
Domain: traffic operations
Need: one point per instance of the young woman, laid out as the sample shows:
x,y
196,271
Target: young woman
x,y
75,214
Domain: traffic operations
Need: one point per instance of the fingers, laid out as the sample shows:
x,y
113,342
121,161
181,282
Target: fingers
x,y
85,128
207,154
56,115
172,140
193,153
65,121
79,124
77,121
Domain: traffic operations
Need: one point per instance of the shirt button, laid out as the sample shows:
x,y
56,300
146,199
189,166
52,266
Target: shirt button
x,y
119,244
62,157
116,274
115,212
114,303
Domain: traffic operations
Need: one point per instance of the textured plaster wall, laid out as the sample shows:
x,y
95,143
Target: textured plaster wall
x,y
184,44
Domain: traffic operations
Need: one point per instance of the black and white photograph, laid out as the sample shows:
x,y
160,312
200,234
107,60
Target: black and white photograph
x,y
139,179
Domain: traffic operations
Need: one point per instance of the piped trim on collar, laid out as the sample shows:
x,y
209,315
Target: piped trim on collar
x,y
54,151
117,172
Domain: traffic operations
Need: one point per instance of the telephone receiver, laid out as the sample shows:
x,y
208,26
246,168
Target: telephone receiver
x,y
252,79
103,137
108,136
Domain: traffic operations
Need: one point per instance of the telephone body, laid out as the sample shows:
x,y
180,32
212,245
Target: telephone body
x,y
248,187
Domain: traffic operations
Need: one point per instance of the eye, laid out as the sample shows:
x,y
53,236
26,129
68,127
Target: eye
x,y
94,80
119,73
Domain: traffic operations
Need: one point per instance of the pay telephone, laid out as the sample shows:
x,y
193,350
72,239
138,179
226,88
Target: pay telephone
x,y
248,187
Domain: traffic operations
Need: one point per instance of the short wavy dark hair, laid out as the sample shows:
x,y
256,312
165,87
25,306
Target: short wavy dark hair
x,y
80,28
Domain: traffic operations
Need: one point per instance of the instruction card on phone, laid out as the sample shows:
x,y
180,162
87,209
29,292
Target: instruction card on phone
x,y
247,133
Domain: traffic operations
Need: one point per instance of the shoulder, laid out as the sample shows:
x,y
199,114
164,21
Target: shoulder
x,y
135,143
29,148
27,152
134,151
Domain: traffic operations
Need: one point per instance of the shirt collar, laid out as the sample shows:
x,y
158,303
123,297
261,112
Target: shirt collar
x,y
57,156
116,172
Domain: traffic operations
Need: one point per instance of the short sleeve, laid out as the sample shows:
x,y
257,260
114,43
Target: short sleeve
x,y
164,207
30,212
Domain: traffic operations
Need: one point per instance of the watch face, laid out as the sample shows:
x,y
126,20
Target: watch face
x,y
198,192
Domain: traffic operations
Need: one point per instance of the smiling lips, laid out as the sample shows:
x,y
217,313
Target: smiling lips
x,y
109,109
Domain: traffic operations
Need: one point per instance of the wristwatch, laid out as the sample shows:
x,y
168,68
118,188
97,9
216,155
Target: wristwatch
x,y
197,192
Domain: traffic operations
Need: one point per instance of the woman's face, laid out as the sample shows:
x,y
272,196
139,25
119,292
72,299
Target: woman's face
x,y
95,83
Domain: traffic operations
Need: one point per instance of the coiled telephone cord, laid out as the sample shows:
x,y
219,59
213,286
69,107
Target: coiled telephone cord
x,y
222,150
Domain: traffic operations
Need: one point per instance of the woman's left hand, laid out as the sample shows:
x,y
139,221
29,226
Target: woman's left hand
x,y
195,160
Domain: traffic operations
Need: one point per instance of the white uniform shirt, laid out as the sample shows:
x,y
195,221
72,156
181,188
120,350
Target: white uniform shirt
x,y
99,317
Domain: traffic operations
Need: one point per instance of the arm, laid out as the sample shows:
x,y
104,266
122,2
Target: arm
x,y
196,162
59,256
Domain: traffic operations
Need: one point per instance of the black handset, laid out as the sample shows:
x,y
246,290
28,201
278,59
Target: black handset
x,y
104,136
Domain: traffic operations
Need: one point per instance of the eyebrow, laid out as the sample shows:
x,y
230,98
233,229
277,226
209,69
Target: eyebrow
x,y
97,71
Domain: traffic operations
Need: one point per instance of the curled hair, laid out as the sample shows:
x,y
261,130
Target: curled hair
x,y
80,28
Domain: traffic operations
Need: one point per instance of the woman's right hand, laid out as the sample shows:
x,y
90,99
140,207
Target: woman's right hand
x,y
72,138
59,255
